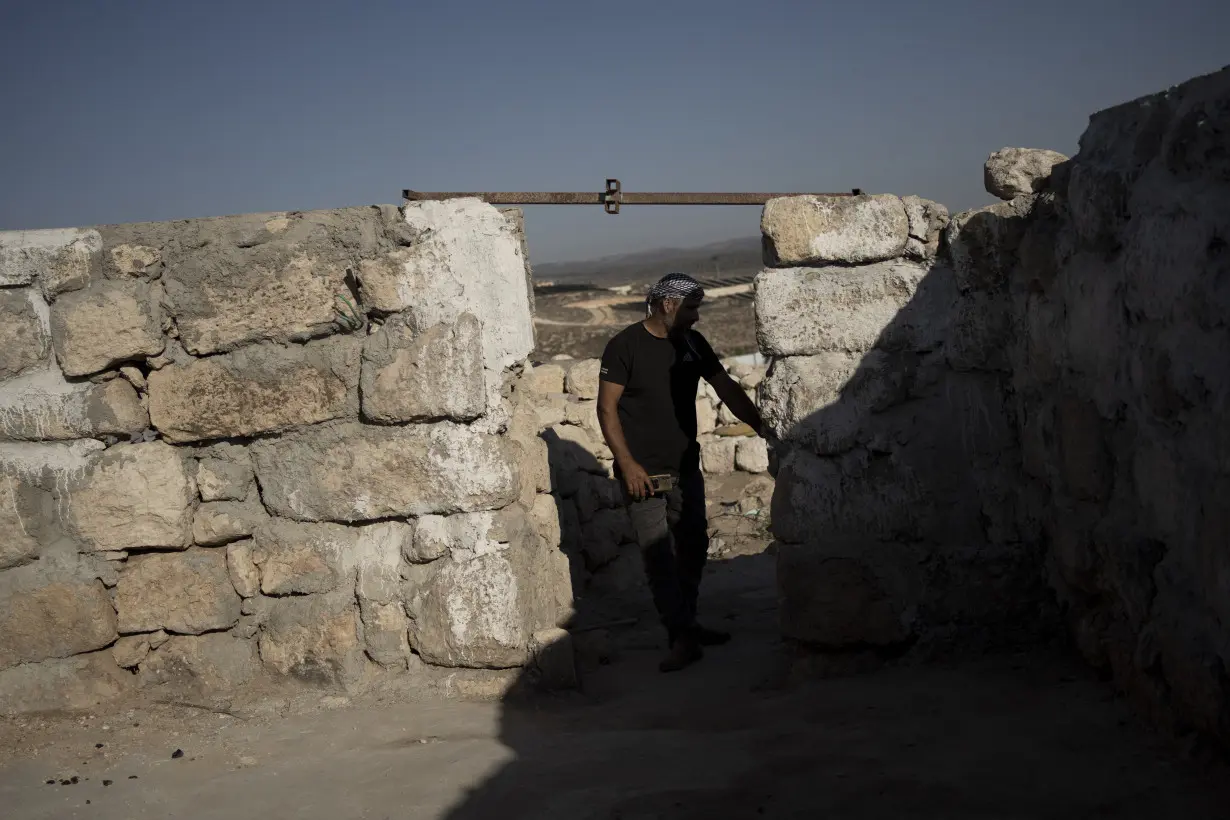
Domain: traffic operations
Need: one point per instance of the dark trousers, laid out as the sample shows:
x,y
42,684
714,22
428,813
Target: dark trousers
x,y
672,531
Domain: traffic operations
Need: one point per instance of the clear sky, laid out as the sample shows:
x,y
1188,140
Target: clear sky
x,y
119,111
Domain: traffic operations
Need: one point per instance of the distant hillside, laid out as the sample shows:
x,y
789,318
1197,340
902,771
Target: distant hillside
x,y
729,258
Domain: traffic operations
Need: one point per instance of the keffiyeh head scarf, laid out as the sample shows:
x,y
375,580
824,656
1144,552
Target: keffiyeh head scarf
x,y
673,286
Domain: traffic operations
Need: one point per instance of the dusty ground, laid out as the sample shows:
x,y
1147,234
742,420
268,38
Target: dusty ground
x,y
579,323
1015,736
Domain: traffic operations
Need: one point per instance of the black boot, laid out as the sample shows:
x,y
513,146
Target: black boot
x,y
684,651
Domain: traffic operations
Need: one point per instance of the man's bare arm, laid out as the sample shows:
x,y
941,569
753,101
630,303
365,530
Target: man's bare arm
x,y
732,395
635,477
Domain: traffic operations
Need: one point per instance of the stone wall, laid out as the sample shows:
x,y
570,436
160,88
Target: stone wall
x,y
1121,368
1019,412
275,444
898,525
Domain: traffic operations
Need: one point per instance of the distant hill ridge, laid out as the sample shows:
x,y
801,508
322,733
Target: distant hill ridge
x,y
729,258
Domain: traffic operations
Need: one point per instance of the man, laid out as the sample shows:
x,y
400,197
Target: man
x,y
647,411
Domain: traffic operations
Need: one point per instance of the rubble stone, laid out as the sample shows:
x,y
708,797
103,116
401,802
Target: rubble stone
x,y
79,682
300,558
582,379
245,576
752,455
314,638
213,662
24,332
717,456
224,475
58,259
40,405
52,614
218,522
1012,172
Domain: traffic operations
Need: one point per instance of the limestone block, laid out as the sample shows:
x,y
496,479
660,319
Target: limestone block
x,y
823,402
76,683
983,243
604,534
135,260
245,576
217,661
545,378
847,593
460,535
1012,172
417,375
717,456
597,492
130,650
219,522
706,417
800,311
754,376
19,516
808,230
300,558
582,380
134,495
58,260
52,613
468,613
187,593
354,472
927,220
257,389
24,331
107,323
314,638
385,632
40,405
224,297
980,332
752,455
554,658
225,474
468,259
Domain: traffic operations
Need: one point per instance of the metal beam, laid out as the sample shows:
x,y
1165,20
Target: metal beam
x,y
612,198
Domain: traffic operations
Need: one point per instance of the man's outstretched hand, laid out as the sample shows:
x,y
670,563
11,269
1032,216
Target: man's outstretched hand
x,y
636,480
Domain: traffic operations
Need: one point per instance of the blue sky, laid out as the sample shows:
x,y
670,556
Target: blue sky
x,y
131,111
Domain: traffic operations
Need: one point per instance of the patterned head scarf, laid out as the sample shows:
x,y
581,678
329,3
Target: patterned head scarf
x,y
673,286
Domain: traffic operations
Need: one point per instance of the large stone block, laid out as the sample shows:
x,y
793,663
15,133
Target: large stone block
x,y
414,374
40,405
24,331
468,259
217,661
314,638
58,260
187,593
983,243
354,472
52,613
752,455
134,496
468,613
847,593
809,230
258,389
1012,172
75,683
107,323
582,379
717,456
800,311
253,278
823,402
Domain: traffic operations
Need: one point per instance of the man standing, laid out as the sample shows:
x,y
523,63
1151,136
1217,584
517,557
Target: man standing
x,y
647,411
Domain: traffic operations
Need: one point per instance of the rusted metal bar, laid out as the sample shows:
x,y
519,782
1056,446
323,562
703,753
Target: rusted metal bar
x,y
612,198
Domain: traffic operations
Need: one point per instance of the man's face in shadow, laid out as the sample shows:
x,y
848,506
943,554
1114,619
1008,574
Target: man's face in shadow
x,y
680,315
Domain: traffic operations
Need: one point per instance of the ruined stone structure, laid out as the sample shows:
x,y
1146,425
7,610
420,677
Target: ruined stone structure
x,y
273,444
1019,412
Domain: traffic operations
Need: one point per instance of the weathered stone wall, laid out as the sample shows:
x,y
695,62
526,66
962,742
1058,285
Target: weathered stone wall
x,y
272,444
584,514
1121,369
899,524
1034,395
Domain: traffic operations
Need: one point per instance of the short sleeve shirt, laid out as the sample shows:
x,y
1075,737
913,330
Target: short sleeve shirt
x,y
658,407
